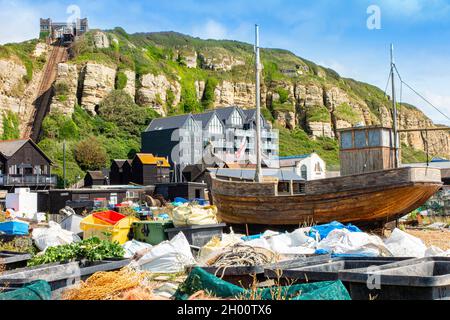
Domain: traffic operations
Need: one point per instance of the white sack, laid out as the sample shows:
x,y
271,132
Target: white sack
x,y
132,247
402,244
194,215
436,252
295,243
342,241
168,257
53,236
216,246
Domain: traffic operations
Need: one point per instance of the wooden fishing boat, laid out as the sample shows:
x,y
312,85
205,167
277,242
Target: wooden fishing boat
x,y
373,188
368,199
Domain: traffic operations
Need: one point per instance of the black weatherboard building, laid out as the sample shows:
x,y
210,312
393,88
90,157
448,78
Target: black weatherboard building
x,y
120,173
24,164
229,130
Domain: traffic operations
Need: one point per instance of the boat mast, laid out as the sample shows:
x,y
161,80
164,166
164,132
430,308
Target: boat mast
x,y
258,175
394,105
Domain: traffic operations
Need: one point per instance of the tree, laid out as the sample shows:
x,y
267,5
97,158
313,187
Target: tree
x,y
119,108
121,80
90,154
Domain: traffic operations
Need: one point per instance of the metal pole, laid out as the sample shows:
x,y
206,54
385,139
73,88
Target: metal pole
x,y
394,105
428,150
258,175
64,164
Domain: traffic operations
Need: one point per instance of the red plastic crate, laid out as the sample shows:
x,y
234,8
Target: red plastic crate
x,y
110,216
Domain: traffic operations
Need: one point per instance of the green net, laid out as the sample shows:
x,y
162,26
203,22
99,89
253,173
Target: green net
x,y
39,290
199,279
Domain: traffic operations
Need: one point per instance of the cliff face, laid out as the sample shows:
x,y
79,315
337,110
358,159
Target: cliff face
x,y
19,87
166,71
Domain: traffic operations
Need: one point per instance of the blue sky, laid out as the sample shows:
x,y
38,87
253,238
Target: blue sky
x,y
331,33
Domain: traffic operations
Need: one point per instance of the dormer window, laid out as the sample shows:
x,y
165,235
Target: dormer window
x,y
236,119
215,126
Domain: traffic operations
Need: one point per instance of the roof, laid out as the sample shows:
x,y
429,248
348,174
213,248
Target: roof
x,y
439,159
167,123
249,113
225,113
120,163
204,118
439,165
300,157
363,128
249,174
96,175
9,147
150,159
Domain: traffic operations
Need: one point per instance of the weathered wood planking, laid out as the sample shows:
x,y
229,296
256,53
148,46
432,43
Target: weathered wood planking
x,y
361,199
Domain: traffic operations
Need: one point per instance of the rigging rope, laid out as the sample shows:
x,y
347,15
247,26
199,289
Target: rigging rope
x,y
417,93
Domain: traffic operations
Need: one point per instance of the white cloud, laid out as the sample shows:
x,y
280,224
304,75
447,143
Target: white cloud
x,y
211,30
416,9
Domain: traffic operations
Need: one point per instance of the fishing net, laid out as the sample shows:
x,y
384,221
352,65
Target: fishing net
x,y
200,280
126,284
242,255
39,290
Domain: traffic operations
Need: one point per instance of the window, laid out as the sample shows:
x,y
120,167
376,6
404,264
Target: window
x,y
236,119
304,172
374,138
318,168
360,139
346,140
191,127
215,126
13,169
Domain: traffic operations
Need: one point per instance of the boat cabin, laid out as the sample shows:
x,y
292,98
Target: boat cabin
x,y
366,149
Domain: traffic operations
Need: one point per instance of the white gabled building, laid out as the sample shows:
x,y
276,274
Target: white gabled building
x,y
308,166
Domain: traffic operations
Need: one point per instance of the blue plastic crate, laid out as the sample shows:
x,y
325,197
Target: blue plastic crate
x,y
14,228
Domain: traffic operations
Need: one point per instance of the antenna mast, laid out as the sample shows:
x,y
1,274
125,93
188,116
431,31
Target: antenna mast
x,y
258,175
394,105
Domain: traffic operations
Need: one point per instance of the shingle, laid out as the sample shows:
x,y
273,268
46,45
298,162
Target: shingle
x,y
120,163
9,147
204,118
168,123
224,113
96,175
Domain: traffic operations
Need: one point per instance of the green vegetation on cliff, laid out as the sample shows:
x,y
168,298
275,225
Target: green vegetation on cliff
x,y
93,141
24,53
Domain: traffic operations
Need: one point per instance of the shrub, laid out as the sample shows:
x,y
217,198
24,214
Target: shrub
x,y
90,154
209,94
284,95
189,102
11,128
347,113
318,114
121,80
69,130
61,88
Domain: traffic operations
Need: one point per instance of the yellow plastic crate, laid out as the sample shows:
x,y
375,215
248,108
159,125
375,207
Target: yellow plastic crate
x,y
118,232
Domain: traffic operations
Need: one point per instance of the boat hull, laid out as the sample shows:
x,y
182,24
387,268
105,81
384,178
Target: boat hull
x,y
358,204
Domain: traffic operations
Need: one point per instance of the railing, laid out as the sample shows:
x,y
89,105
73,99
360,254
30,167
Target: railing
x,y
28,180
